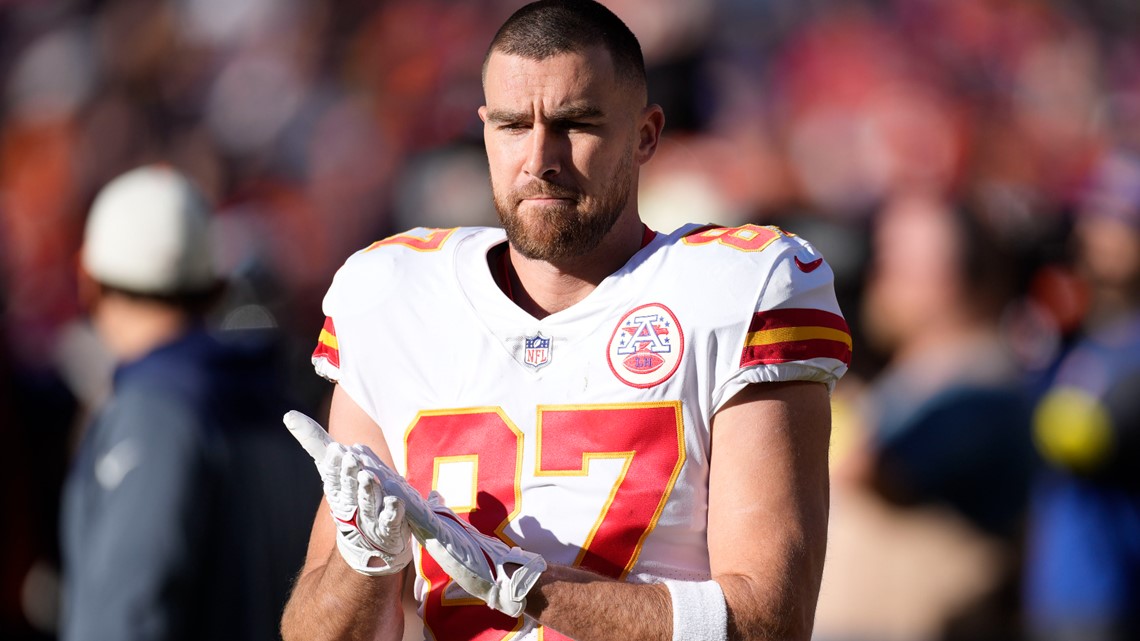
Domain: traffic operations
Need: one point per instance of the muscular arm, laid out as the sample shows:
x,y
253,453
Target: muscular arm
x,y
768,505
330,600
768,508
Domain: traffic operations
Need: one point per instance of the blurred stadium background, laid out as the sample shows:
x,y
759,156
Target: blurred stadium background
x,y
320,126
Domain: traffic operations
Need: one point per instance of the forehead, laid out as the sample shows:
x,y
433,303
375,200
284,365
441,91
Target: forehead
x,y
562,78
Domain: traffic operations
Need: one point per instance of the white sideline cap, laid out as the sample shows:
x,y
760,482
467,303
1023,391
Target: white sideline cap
x,y
148,233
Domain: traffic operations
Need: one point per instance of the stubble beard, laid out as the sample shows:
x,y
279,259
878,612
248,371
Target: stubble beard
x,y
568,230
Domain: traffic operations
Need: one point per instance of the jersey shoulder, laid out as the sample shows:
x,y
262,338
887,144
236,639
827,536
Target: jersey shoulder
x,y
409,268
779,293
780,268
372,276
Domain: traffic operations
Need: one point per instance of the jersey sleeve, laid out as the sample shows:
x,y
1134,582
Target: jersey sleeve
x,y
344,305
326,356
796,330
360,302
358,289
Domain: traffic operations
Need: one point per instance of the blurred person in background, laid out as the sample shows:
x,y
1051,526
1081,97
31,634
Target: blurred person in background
x,y
185,509
928,513
306,121
1082,577
951,421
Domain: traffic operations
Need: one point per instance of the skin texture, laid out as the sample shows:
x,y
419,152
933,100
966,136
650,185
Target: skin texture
x,y
565,140
560,132
561,154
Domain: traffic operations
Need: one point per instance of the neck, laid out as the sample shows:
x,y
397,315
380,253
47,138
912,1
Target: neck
x,y
132,328
543,288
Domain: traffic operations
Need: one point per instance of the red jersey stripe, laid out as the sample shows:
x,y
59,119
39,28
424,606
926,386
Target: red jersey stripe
x,y
795,351
784,335
796,317
328,347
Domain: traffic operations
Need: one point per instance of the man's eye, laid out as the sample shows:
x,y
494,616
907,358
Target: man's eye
x,y
514,126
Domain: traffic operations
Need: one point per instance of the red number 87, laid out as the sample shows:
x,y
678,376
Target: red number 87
x,y
647,437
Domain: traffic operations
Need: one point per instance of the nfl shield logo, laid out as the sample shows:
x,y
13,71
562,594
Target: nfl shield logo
x,y
537,351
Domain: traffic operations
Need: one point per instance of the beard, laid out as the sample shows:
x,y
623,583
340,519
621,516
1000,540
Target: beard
x,y
570,229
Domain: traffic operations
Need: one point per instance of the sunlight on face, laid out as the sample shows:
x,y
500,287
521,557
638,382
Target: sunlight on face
x,y
561,139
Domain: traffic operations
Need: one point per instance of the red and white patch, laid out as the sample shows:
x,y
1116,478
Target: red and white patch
x,y
646,346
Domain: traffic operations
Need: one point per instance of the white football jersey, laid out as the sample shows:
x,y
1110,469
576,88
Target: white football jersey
x,y
584,436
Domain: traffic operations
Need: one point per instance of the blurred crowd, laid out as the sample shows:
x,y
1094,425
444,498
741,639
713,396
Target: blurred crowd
x,y
969,169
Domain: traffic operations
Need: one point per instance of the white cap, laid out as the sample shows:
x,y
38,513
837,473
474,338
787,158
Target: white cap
x,y
148,233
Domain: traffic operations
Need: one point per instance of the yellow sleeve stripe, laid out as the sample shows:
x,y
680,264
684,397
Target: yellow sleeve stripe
x,y
327,338
791,334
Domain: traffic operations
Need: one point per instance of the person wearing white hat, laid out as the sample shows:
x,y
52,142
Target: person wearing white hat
x,y
146,263
172,505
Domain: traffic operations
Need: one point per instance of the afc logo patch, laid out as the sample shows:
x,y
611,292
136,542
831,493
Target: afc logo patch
x,y
536,352
646,346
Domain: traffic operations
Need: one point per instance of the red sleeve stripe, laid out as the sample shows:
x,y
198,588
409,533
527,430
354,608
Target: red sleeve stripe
x,y
784,335
800,317
328,347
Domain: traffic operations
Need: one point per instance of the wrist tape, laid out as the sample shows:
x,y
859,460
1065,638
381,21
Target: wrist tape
x,y
699,611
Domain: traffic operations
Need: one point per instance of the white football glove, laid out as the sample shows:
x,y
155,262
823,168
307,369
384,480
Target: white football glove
x,y
483,566
372,534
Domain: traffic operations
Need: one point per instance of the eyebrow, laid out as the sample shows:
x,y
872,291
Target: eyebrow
x,y
568,112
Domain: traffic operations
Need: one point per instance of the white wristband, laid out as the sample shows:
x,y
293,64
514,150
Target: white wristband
x,y
699,611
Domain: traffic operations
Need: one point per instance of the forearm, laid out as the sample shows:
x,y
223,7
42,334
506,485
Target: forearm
x,y
769,612
587,606
334,602
768,508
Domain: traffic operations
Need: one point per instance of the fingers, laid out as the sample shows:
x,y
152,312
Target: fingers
x,y
382,527
341,502
329,467
391,528
366,495
369,500
308,433
339,471
393,508
349,485
344,471
417,511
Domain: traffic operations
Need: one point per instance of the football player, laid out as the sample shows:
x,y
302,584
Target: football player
x,y
621,433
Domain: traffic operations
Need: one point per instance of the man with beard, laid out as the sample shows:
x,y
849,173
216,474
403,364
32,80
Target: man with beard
x,y
633,424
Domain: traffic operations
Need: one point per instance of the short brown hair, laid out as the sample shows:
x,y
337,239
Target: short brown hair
x,y
546,28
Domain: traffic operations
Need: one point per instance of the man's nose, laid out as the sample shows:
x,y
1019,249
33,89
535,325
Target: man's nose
x,y
545,153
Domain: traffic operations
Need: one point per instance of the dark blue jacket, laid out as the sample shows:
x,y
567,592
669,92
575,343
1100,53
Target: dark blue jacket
x,y
188,507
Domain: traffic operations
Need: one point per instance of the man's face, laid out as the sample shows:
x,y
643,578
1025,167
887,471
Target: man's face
x,y
562,139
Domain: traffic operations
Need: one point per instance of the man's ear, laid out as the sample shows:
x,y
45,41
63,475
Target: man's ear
x,y
649,132
483,113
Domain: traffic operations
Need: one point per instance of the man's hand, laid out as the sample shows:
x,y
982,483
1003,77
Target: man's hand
x,y
483,566
372,534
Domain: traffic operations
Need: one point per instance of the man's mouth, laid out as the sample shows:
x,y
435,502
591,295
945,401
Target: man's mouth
x,y
546,193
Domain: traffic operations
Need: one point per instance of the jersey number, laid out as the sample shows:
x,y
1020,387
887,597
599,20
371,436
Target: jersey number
x,y
646,438
749,238
431,240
